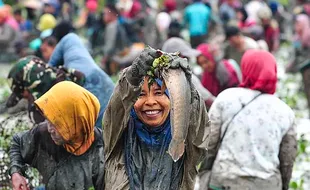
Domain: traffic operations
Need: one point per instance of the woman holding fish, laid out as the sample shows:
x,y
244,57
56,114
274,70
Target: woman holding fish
x,y
156,126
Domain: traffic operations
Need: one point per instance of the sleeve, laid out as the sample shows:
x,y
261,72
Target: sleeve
x,y
205,94
117,112
287,155
57,56
68,40
23,150
98,168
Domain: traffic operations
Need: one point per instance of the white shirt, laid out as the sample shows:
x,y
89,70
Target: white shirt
x,y
252,141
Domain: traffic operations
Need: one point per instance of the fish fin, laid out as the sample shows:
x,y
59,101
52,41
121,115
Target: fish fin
x,y
176,150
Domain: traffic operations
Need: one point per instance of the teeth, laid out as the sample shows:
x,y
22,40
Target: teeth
x,y
152,112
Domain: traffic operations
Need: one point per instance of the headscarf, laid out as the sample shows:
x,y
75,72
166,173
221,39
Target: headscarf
x,y
259,71
73,111
304,38
32,74
216,81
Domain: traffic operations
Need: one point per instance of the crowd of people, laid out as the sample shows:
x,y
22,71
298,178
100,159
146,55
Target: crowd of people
x,y
92,132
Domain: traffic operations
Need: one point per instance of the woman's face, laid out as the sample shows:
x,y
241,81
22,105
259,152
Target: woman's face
x,y
152,106
56,137
205,63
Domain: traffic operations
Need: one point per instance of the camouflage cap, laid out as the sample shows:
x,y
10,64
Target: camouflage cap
x,y
32,74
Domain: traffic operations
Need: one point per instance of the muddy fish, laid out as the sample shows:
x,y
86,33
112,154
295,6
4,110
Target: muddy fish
x,y
180,97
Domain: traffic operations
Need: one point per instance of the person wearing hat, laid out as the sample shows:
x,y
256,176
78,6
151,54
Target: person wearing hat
x,y
47,21
67,149
31,78
237,44
271,28
175,44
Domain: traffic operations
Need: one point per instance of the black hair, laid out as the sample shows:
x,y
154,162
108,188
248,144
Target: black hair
x,y
112,8
18,12
62,29
50,40
243,12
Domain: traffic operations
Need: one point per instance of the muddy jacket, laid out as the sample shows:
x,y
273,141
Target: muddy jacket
x,y
60,169
116,120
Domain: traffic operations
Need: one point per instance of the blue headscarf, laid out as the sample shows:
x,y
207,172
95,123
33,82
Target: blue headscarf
x,y
153,137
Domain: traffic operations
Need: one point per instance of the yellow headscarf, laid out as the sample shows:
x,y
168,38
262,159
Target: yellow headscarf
x,y
73,111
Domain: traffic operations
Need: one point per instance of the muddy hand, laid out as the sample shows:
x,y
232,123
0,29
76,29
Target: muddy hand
x,y
141,65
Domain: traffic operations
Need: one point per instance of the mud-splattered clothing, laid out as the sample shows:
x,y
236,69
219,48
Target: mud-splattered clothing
x,y
35,76
60,169
116,128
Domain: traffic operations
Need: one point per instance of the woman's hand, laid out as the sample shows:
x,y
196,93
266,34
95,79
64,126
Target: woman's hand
x,y
19,182
141,65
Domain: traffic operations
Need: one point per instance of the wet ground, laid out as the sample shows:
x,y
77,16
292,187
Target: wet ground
x,y
289,89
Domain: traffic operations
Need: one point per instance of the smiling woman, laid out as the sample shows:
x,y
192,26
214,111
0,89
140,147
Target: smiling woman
x,y
138,131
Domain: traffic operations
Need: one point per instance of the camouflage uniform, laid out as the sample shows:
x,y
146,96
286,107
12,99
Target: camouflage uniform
x,y
35,76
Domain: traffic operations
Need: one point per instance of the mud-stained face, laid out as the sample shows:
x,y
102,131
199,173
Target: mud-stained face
x,y
56,137
152,106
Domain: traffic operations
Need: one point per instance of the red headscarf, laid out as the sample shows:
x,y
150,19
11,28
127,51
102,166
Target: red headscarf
x,y
224,75
259,71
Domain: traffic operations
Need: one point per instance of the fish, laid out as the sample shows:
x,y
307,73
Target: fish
x,y
180,98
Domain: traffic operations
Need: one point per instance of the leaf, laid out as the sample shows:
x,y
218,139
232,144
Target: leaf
x,y
293,185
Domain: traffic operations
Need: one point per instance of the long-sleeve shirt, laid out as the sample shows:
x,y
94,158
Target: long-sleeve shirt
x,y
116,120
71,53
260,142
60,169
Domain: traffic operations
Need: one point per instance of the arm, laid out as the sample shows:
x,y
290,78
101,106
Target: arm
x,y
22,152
68,41
287,155
118,111
98,163
123,98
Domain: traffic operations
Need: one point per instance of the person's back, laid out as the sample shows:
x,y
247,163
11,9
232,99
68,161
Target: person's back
x,y
252,141
197,16
71,52
255,131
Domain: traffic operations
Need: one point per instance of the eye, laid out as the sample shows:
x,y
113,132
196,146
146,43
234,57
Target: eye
x,y
142,94
158,93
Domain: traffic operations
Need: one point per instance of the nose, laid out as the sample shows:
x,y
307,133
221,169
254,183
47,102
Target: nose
x,y
150,101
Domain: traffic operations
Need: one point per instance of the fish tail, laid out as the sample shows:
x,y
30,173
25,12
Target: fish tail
x,y
176,149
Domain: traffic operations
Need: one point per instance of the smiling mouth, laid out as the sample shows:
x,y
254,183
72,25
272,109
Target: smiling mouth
x,y
152,113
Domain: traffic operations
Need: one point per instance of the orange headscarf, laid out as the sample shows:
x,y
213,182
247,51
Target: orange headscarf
x,y
73,111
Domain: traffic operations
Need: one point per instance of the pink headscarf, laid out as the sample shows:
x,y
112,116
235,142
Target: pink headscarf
x,y
304,37
170,5
259,71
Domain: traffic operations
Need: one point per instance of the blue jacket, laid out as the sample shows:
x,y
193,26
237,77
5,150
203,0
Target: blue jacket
x,y
71,53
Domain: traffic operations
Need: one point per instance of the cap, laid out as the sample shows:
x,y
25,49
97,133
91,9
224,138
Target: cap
x,y
179,45
47,21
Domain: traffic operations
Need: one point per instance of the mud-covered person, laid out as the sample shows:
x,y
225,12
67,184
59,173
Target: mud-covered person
x,y
137,132
67,150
